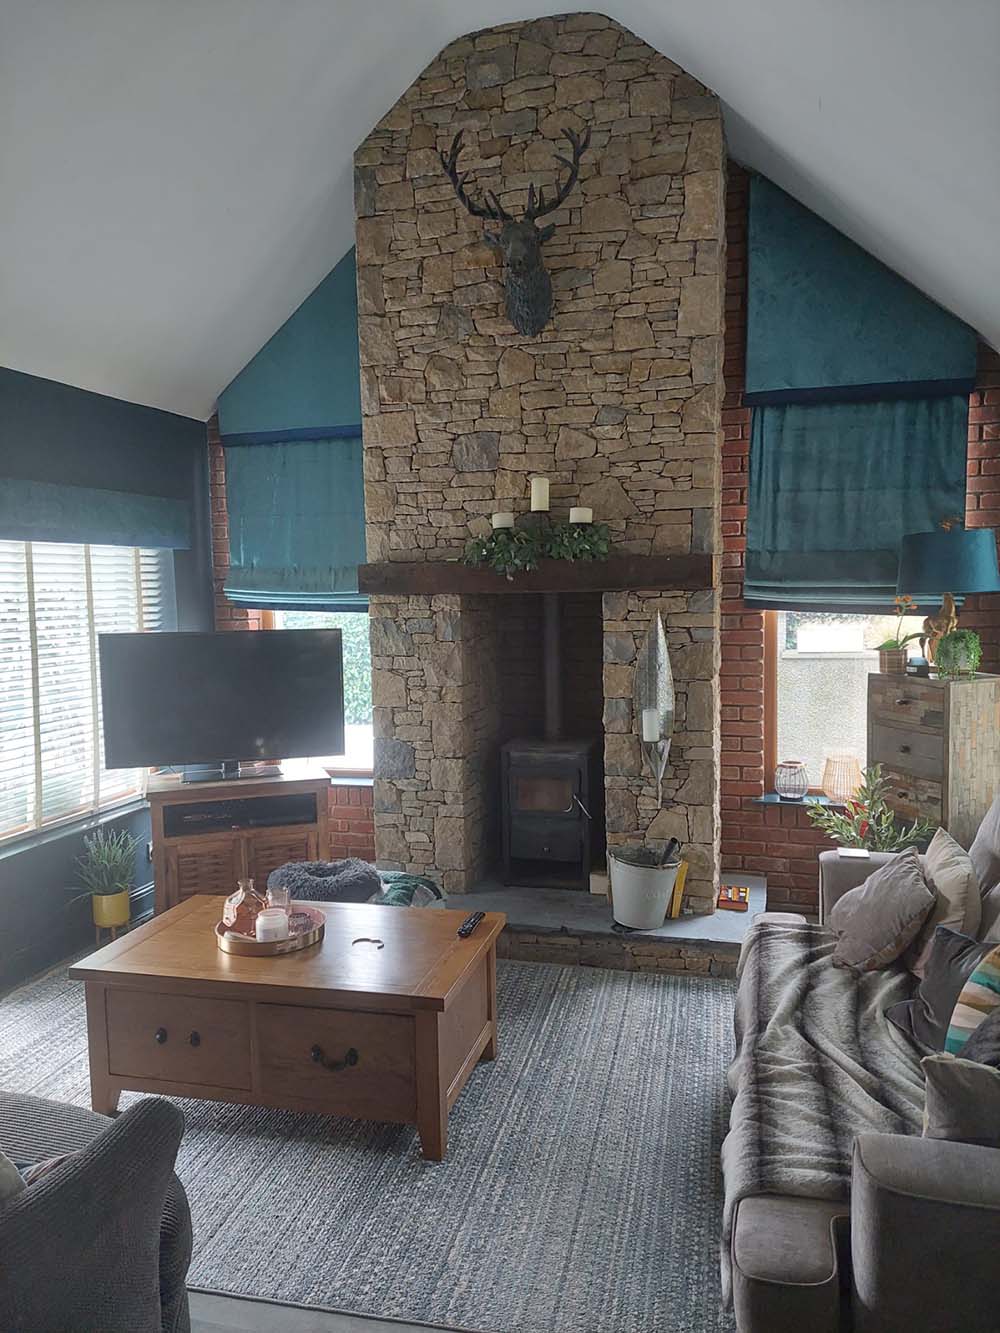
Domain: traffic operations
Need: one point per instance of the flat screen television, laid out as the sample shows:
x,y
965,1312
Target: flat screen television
x,y
217,699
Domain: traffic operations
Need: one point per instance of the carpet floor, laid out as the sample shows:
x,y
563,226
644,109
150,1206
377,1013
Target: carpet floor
x,y
581,1193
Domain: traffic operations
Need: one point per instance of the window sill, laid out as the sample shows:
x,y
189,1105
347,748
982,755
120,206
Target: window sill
x,y
22,842
811,798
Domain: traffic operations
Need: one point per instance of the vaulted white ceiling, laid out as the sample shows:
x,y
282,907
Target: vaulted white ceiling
x,y
176,177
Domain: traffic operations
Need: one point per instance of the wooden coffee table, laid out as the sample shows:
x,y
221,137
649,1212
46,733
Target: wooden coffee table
x,y
384,1019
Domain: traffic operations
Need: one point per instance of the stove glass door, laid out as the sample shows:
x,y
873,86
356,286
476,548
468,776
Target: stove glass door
x,y
542,794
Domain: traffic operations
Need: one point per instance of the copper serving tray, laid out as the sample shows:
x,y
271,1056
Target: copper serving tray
x,y
248,947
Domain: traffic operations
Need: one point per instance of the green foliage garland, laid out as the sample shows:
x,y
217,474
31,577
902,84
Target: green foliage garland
x,y
867,821
511,551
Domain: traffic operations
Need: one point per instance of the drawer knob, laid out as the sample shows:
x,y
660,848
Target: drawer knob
x,y
903,795
904,749
195,1039
160,1036
318,1057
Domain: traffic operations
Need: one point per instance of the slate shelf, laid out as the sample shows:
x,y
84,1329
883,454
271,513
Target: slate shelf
x,y
772,798
688,573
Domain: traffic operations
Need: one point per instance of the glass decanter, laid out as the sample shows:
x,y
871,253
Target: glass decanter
x,y
241,908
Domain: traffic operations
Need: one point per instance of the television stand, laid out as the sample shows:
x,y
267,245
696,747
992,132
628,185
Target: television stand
x,y
231,770
210,834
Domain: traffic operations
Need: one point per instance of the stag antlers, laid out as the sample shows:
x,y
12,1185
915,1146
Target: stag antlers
x,y
537,205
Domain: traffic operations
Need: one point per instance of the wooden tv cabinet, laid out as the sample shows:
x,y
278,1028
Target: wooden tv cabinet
x,y
208,835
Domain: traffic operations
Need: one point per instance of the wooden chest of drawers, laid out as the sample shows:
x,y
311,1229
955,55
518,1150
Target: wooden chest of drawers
x,y
938,742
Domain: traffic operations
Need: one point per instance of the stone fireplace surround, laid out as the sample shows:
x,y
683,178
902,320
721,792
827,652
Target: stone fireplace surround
x,y
617,402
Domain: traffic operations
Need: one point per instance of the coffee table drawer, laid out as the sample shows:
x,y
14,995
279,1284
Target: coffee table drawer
x,y
306,1054
178,1039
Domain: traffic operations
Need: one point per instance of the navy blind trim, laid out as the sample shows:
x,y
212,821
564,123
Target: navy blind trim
x,y
862,393
293,436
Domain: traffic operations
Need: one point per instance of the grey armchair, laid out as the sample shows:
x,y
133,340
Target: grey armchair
x,y
103,1241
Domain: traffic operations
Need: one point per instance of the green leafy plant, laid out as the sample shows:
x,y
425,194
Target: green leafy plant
x,y
868,821
108,863
958,653
511,551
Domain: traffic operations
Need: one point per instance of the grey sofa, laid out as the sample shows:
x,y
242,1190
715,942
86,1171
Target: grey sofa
x,y
914,1247
102,1243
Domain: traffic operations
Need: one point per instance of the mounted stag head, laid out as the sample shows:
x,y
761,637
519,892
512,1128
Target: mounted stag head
x,y
527,285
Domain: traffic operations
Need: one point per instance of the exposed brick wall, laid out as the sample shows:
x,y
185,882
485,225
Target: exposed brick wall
x,y
982,508
779,841
352,823
227,616
352,831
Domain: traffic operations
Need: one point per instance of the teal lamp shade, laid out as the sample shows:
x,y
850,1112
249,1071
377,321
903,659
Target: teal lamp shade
x,y
958,561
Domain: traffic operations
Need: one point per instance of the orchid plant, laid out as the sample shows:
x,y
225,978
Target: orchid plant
x,y
905,606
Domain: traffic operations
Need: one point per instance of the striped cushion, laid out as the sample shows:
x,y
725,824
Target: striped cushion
x,y
978,998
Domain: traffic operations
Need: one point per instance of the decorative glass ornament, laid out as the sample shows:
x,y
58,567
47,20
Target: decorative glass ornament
x,y
791,779
841,777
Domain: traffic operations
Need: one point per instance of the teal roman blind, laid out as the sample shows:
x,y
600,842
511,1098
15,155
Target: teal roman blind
x,y
42,511
296,524
859,386
833,489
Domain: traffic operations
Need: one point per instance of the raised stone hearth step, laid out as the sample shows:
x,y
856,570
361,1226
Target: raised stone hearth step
x,y
621,573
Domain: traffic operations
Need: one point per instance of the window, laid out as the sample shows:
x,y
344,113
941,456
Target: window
x,y
54,601
816,685
358,735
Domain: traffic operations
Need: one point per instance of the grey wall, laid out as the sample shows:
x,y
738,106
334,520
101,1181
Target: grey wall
x,y
51,432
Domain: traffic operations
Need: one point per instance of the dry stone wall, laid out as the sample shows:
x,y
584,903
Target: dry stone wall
x,y
617,402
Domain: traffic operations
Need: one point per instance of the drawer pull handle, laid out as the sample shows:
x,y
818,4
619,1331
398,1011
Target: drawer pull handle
x,y
901,703
904,749
349,1061
903,795
160,1036
195,1039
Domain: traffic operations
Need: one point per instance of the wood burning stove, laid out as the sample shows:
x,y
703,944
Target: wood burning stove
x,y
551,791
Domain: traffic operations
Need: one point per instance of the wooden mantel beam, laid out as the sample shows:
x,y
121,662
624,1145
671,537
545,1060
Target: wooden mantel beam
x,y
659,573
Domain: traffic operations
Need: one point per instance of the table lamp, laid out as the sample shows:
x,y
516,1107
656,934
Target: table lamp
x,y
950,561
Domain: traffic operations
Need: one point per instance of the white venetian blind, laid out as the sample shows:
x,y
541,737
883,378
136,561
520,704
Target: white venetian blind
x,y
55,600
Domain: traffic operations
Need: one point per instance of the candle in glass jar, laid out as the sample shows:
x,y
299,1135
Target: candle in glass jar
x,y
272,924
581,514
539,494
503,520
650,724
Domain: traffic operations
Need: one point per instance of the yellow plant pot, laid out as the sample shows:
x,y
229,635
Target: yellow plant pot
x,y
110,909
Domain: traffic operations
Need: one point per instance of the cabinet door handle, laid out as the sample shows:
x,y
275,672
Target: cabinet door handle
x,y
318,1056
195,1039
160,1036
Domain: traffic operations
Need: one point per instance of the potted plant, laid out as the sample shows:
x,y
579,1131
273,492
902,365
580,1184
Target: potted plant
x,y
867,820
106,869
892,653
958,654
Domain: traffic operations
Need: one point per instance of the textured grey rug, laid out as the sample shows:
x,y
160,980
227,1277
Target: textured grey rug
x,y
581,1192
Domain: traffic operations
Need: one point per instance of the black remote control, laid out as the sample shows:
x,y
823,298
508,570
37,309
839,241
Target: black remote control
x,y
469,924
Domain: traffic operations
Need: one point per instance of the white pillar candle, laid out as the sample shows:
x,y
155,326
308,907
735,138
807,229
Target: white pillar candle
x,y
581,514
539,494
650,724
503,520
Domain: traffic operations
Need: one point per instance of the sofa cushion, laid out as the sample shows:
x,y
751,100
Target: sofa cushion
x,y
876,921
977,999
962,1101
985,849
951,961
989,924
950,875
984,1044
